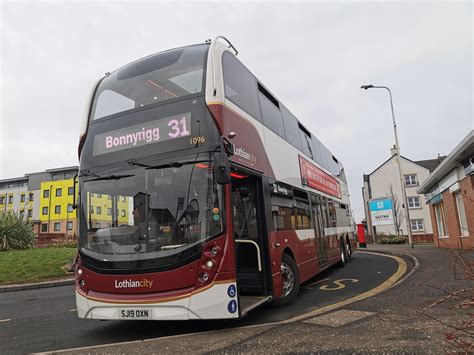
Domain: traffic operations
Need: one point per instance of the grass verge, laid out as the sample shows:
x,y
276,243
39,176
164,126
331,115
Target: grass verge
x,y
30,265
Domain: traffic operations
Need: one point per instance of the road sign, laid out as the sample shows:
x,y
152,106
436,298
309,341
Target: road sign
x,y
381,212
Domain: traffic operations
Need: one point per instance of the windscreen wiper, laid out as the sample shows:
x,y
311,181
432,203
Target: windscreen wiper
x,y
178,164
112,177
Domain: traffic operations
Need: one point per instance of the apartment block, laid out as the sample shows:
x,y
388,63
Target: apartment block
x,y
384,183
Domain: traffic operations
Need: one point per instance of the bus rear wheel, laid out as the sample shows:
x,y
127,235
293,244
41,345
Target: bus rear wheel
x,y
290,281
342,250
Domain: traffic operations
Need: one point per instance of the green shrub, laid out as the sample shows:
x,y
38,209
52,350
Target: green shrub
x,y
15,232
393,240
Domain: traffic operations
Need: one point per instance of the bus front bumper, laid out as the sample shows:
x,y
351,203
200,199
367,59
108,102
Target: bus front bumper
x,y
213,302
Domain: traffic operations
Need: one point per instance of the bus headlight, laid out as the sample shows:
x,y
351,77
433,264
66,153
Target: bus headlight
x,y
209,264
79,272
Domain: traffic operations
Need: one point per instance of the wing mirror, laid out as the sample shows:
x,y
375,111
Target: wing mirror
x,y
221,168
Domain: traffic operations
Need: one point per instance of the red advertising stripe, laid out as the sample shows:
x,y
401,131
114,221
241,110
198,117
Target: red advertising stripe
x,y
314,177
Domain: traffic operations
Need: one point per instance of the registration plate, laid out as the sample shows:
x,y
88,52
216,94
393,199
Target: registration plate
x,y
135,313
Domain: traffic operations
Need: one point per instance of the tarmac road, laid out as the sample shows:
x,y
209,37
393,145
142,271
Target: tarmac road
x,y
45,319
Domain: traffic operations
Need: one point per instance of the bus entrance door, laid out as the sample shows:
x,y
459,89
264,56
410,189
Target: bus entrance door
x,y
319,224
248,236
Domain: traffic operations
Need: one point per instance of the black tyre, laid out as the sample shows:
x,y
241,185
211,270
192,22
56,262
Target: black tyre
x,y
348,249
291,281
342,250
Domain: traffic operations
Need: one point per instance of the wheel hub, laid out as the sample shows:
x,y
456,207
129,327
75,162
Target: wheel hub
x,y
288,278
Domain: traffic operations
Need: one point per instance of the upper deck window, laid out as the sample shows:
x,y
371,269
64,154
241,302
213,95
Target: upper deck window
x,y
240,85
156,78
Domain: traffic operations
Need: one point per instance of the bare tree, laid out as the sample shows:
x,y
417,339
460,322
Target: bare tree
x,y
398,215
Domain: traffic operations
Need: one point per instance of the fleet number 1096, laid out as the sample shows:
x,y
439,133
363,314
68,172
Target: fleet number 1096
x,y
197,140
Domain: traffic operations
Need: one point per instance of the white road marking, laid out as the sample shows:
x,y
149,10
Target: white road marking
x,y
5,320
73,310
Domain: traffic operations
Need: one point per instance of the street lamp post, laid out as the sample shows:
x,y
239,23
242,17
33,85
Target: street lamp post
x,y
398,158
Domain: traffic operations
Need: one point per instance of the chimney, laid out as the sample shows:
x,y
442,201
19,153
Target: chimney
x,y
393,151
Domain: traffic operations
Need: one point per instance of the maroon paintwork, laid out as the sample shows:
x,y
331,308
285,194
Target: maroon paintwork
x,y
166,285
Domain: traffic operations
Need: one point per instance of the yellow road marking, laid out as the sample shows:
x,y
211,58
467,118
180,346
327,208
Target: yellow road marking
x,y
5,320
339,284
316,282
402,268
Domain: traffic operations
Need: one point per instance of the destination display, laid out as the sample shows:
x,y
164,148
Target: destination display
x,y
316,178
160,130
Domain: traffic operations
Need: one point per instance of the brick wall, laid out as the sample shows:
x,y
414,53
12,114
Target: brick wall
x,y
54,239
452,219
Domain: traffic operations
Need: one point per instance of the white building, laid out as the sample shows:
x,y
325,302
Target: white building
x,y
384,182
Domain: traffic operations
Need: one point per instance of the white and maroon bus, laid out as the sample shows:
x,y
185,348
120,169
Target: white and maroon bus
x,y
200,195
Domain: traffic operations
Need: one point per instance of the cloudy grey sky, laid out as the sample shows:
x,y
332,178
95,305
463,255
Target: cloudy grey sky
x,y
312,55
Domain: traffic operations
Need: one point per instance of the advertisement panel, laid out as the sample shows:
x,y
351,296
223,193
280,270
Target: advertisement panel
x,y
314,177
381,212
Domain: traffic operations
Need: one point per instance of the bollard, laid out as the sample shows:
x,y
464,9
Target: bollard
x,y
361,235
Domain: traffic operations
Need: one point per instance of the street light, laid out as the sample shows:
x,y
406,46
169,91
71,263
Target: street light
x,y
397,148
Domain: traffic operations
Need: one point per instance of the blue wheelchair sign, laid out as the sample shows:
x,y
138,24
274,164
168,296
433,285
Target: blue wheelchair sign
x,y
231,291
232,306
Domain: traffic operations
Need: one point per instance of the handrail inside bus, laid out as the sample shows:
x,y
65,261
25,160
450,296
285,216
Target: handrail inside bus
x,y
259,261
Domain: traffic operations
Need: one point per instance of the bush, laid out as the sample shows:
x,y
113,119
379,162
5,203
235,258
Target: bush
x,y
393,240
15,232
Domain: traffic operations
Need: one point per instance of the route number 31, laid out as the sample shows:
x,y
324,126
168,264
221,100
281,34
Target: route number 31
x,y
178,128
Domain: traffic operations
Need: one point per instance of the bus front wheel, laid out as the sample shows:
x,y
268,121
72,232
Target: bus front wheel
x,y
290,281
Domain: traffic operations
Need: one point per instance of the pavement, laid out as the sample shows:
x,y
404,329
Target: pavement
x,y
405,318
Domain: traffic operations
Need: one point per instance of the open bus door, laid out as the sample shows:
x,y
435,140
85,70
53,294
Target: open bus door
x,y
250,242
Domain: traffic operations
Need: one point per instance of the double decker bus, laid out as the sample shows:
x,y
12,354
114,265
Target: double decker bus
x,y
200,195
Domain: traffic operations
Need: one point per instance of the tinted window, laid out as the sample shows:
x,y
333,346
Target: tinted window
x,y
306,144
240,85
271,115
317,151
291,127
158,77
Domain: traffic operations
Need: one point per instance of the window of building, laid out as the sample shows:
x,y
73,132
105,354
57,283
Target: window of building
x,y
99,210
271,114
70,191
30,213
57,209
44,227
45,211
414,202
67,175
22,213
461,214
109,211
10,199
54,177
440,220
124,199
70,208
69,225
123,213
91,211
411,180
22,198
240,85
46,193
99,195
57,226
59,192
2,200
30,197
417,225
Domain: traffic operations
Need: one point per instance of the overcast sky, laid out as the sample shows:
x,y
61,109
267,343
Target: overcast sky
x,y
313,56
